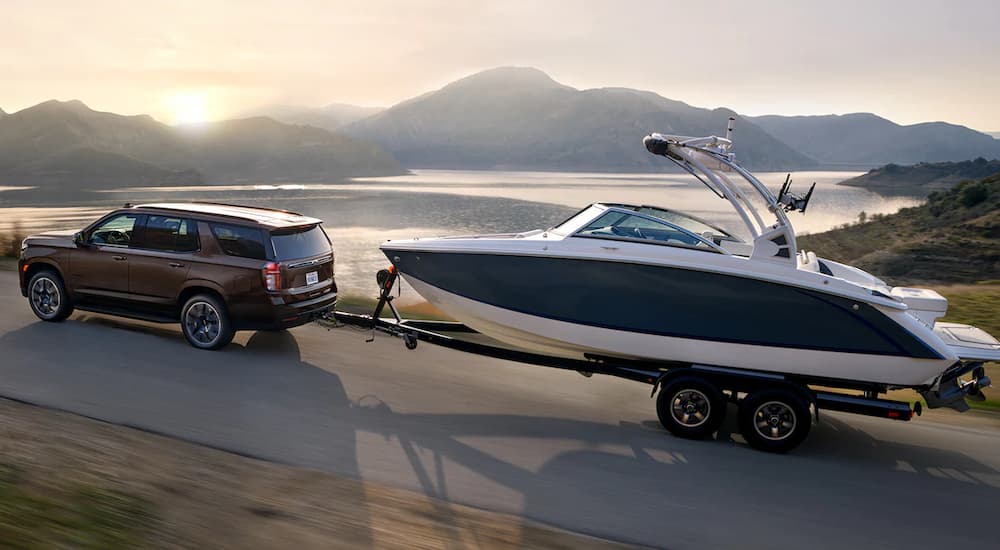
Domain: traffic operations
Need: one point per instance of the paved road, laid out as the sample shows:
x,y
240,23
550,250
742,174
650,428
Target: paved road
x,y
583,454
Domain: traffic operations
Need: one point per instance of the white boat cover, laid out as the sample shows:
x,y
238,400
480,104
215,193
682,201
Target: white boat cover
x,y
969,343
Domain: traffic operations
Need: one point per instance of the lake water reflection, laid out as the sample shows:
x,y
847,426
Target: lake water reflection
x,y
362,213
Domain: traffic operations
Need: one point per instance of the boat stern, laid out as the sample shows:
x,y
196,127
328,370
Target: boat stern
x,y
969,343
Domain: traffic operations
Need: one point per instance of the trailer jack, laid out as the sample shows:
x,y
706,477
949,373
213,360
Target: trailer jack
x,y
386,279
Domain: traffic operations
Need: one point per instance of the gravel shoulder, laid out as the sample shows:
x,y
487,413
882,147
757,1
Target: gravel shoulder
x,y
204,498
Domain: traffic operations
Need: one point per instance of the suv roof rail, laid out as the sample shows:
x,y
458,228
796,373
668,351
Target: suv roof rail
x,y
245,206
267,216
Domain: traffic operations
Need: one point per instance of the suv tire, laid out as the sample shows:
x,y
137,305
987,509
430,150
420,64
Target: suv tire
x,y
205,322
47,296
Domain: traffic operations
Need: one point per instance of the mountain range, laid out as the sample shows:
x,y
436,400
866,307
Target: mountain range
x,y
513,117
503,118
866,140
520,118
70,145
330,117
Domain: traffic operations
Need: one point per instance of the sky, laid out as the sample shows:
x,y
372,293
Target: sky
x,y
183,60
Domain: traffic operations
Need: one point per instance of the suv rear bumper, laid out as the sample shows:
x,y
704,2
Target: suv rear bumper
x,y
292,315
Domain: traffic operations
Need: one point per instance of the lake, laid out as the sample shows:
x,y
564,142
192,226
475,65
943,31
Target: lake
x,y
362,213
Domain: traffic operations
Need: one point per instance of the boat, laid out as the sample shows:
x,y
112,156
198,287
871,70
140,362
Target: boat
x,y
654,284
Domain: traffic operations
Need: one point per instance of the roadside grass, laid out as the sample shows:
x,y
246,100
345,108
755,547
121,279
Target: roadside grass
x,y
69,482
10,242
35,515
10,239
977,304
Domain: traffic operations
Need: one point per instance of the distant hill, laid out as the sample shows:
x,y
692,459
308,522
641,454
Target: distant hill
x,y
85,168
520,118
263,149
69,144
923,178
954,237
866,140
331,117
49,128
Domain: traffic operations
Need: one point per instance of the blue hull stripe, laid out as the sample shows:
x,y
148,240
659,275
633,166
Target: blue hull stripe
x,y
665,301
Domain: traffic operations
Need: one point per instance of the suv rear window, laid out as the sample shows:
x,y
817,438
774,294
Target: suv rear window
x,y
238,240
300,243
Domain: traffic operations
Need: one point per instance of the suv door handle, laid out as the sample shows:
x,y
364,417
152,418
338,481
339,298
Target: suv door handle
x,y
175,264
119,258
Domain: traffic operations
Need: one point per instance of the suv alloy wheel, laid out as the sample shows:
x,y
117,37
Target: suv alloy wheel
x,y
206,323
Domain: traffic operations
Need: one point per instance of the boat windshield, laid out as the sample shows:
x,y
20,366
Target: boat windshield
x,y
619,225
691,223
686,222
578,220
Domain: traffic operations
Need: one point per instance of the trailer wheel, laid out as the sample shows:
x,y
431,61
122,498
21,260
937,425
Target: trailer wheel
x,y
691,407
410,341
775,420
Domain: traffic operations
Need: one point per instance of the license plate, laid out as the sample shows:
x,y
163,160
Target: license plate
x,y
312,278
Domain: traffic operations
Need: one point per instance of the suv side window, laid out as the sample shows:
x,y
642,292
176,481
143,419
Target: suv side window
x,y
170,234
239,240
117,231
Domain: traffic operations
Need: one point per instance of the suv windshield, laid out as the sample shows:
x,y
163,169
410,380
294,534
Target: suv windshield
x,y
300,243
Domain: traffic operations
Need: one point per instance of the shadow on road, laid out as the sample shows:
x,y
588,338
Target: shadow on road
x,y
164,331
235,400
263,399
634,473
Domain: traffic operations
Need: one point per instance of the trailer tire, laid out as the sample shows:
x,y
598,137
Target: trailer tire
x,y
410,341
774,420
691,407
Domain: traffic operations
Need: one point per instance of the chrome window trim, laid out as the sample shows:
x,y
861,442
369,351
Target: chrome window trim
x,y
307,263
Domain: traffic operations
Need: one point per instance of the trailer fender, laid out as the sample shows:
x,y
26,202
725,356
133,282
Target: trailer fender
x,y
669,375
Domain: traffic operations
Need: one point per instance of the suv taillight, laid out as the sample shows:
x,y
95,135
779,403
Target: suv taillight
x,y
272,276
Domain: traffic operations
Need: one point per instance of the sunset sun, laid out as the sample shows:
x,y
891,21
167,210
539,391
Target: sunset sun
x,y
188,108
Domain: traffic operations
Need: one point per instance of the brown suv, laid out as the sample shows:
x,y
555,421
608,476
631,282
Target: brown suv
x,y
216,268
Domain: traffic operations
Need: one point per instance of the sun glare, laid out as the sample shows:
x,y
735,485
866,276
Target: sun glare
x,y
188,108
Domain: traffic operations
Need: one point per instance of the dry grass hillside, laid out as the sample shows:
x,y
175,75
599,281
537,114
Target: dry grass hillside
x,y
953,238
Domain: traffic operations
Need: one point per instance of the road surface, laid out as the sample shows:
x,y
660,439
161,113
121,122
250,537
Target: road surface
x,y
582,454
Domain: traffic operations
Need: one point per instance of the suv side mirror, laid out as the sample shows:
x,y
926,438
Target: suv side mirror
x,y
79,239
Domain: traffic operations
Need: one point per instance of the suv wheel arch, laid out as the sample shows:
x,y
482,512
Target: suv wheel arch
x,y
42,264
199,287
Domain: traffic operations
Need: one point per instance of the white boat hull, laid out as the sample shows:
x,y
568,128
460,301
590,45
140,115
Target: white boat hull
x,y
563,339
